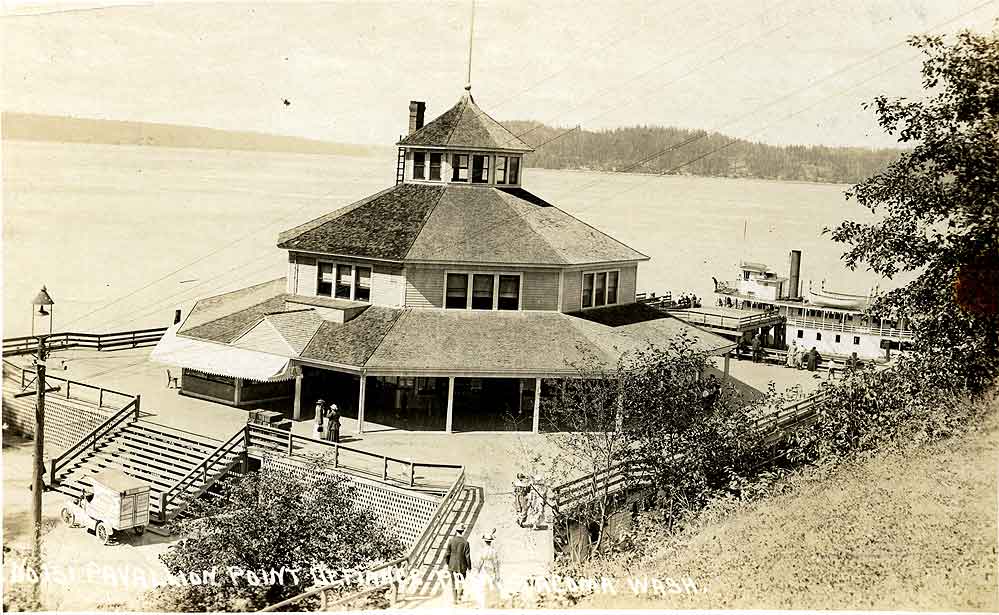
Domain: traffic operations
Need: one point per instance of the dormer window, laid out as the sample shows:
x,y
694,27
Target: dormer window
x,y
460,165
480,169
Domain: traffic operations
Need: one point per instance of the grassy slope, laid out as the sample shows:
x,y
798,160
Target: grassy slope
x,y
894,532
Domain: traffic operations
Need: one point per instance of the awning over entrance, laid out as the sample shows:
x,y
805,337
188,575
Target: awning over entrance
x,y
220,359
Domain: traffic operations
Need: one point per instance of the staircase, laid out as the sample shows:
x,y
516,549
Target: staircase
x,y
179,466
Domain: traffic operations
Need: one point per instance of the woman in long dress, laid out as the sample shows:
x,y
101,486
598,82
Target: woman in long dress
x,y
792,355
488,572
317,430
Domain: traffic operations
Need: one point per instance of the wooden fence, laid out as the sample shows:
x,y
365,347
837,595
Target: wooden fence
x,y
13,346
630,473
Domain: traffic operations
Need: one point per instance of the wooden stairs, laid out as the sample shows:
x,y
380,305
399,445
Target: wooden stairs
x,y
170,460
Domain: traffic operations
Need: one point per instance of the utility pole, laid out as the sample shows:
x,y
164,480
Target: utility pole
x,y
38,468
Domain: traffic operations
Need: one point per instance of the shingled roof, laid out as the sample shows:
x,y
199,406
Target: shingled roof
x,y
465,125
408,340
458,223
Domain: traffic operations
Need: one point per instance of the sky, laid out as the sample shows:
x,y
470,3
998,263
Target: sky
x,y
776,71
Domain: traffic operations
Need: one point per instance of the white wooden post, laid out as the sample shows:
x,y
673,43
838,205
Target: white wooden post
x,y
360,404
450,404
537,405
297,410
238,394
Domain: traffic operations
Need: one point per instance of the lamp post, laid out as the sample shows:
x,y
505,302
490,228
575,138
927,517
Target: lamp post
x,y
41,300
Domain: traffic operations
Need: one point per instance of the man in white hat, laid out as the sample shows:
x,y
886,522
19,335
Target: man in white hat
x,y
458,559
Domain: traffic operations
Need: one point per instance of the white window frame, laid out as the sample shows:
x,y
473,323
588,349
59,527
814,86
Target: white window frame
x,y
425,166
468,289
593,291
353,279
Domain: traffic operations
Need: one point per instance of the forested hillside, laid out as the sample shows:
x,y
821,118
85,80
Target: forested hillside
x,y
709,154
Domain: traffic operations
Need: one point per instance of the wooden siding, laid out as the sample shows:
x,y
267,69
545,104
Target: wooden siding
x,y
424,287
386,286
292,277
572,287
308,276
540,291
627,283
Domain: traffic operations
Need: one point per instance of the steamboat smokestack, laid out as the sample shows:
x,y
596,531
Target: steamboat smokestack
x,y
416,109
794,275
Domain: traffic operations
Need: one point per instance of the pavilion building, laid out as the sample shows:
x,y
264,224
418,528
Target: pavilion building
x,y
445,302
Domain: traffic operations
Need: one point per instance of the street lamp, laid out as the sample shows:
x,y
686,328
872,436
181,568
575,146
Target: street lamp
x,y
41,300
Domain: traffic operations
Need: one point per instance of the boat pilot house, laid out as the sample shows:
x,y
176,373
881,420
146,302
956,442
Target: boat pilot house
x,y
446,302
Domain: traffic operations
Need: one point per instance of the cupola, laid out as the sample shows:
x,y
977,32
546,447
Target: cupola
x,y
464,145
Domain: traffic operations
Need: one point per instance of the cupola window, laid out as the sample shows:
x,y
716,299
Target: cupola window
x,y
480,169
514,174
500,169
435,167
460,163
419,165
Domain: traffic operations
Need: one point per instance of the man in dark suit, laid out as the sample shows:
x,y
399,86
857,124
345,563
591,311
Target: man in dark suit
x,y
458,559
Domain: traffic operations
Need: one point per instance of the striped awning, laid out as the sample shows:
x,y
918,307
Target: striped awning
x,y
220,359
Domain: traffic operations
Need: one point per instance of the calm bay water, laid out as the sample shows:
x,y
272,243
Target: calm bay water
x,y
156,228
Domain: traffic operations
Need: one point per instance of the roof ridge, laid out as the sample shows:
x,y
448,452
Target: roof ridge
x,y
464,103
504,195
513,140
426,218
402,312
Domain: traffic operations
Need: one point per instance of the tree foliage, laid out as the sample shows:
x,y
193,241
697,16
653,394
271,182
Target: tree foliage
x,y
266,523
939,206
649,413
695,152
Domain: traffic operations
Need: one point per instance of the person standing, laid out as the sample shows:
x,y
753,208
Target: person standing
x,y
792,354
521,486
458,560
813,359
853,362
334,427
488,572
317,431
536,503
757,348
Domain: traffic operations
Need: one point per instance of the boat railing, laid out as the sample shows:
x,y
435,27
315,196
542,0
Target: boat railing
x,y
840,327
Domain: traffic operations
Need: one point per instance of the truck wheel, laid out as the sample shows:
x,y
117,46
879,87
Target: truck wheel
x,y
139,530
103,533
67,517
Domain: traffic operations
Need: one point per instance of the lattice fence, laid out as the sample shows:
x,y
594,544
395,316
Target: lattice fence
x,y
66,422
406,512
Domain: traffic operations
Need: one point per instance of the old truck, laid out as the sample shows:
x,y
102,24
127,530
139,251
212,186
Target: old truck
x,y
116,502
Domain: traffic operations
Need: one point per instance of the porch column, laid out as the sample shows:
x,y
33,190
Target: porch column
x,y
727,356
297,409
537,405
450,404
360,404
238,388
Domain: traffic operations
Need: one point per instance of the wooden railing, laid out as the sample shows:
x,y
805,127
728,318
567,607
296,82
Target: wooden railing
x,y
99,396
390,470
99,341
734,323
631,473
196,481
127,415
839,327
415,557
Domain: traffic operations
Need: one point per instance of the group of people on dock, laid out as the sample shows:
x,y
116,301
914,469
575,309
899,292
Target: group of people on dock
x,y
799,359
327,422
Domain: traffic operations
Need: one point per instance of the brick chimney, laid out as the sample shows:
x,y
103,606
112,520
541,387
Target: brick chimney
x,y
416,109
